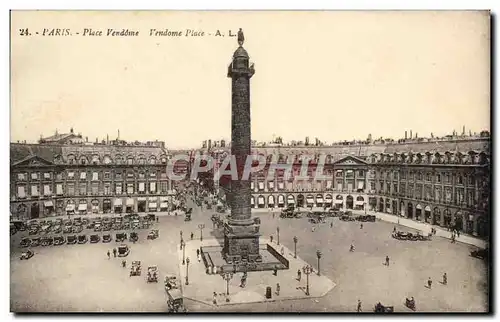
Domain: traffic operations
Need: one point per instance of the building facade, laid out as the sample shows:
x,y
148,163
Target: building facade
x,y
60,178
445,183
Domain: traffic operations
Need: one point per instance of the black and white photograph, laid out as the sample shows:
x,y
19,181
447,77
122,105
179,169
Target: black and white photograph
x,y
250,162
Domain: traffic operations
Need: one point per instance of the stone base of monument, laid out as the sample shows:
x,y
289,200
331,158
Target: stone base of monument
x,y
204,280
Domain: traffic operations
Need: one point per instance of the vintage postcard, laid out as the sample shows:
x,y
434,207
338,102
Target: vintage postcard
x,y
267,161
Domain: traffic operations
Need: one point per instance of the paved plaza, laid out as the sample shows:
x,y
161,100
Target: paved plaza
x,y
81,278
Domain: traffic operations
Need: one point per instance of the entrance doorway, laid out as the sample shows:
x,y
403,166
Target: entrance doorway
x,y
427,214
300,201
410,210
35,211
141,206
349,202
418,213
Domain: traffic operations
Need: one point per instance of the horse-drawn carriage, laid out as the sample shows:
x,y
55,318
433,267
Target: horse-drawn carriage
x,y
152,274
135,269
175,301
379,308
400,235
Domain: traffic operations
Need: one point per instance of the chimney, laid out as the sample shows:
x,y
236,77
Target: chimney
x,y
209,144
118,134
56,132
416,135
406,135
470,133
86,139
71,130
96,140
107,138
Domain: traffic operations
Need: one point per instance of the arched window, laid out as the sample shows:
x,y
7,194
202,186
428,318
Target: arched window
x,y
152,159
95,159
130,160
119,159
141,160
71,159
84,160
107,159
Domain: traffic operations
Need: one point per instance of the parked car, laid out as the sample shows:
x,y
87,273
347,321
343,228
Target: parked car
x,y
106,238
47,241
57,229
67,229
480,253
35,242
25,242
153,234
77,229
82,239
71,240
123,250
59,240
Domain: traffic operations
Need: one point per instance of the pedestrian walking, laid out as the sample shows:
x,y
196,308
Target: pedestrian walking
x,y
394,230
331,224
361,226
387,260
192,236
458,233
351,249
313,229
359,306
271,238
278,288
114,252
199,258
429,282
299,275
109,255
198,252
157,219
445,279
215,298
282,251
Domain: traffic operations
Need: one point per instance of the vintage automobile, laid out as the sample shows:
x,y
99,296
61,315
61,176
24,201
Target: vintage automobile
x,y
170,282
123,250
136,224
106,220
33,230
135,269
67,229
67,222
145,224
27,254
346,217
90,225
152,274
133,237
366,218
35,242
25,242
82,239
152,217
71,240
19,225
45,229
117,226
480,253
175,301
153,234
85,222
120,237
77,229
46,241
106,238
187,217
77,221
107,226
59,240
94,239
57,229
410,303
289,212
97,226
379,308
410,236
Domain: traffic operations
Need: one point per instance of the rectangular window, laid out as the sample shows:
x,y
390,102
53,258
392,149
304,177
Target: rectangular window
x,y
163,175
95,188
472,180
447,178
270,185
83,175
361,173
118,188
21,177
34,191
152,187
261,186
130,175
59,189
372,186
281,185
460,179
438,177
34,176
46,175
83,189
118,175
141,187
395,188
107,188
95,176
412,175
71,189
59,176
21,191
395,176
329,184
107,175
130,188
427,177
164,187
349,174
152,174
46,190
142,175
419,176
388,187
403,175
71,175
338,174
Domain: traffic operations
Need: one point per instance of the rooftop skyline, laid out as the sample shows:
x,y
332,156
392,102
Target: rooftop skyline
x,y
347,75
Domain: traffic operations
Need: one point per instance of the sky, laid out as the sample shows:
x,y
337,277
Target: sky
x,y
332,75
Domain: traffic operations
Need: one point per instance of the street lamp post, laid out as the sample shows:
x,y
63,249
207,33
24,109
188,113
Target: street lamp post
x,y
295,240
180,233
365,207
307,270
183,245
201,226
187,271
278,233
318,254
227,276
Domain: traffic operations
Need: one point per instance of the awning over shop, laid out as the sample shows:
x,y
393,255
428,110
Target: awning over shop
x,y
338,171
163,199
48,203
328,199
118,203
261,201
153,205
319,199
130,202
152,199
359,203
70,208
310,200
291,200
141,199
82,207
164,205
339,202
